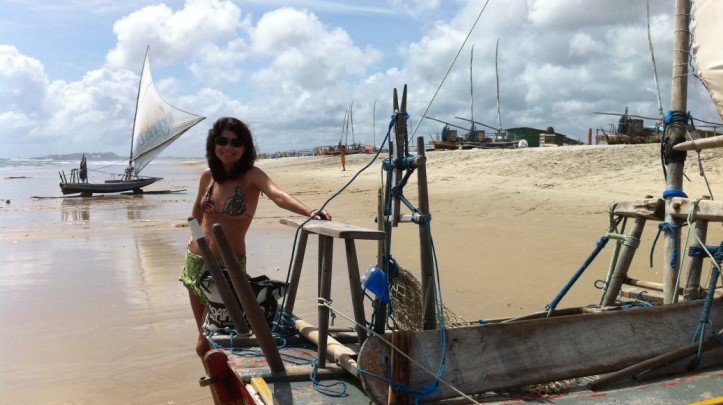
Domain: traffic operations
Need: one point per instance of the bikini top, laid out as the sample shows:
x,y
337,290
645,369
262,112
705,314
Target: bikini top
x,y
234,207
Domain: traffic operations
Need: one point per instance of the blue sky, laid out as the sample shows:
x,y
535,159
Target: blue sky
x,y
69,69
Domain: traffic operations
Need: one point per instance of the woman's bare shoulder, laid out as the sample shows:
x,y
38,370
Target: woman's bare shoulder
x,y
205,177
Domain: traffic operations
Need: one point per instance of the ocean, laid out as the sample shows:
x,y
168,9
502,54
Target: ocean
x,y
91,304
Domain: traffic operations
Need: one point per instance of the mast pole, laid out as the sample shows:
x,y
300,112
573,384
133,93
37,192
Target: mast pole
x,y
676,134
127,175
471,92
497,79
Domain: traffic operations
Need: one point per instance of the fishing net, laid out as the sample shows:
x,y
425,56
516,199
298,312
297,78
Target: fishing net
x,y
405,292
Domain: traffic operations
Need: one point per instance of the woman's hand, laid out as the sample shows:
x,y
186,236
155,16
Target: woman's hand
x,y
323,214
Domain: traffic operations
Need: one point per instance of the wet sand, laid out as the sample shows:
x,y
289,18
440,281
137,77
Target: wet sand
x,y
94,312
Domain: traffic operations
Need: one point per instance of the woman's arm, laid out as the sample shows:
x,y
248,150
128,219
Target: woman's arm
x,y
282,199
196,212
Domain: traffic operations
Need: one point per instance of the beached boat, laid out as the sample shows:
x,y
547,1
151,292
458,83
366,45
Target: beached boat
x,y
156,124
415,353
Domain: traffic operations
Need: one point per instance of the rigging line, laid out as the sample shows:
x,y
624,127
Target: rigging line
x,y
655,69
450,66
100,140
326,303
707,122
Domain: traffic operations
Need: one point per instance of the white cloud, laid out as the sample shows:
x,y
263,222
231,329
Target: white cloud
x,y
170,34
23,81
304,53
291,73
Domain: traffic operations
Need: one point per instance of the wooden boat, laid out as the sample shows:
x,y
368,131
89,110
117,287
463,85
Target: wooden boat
x,y
156,124
109,186
582,349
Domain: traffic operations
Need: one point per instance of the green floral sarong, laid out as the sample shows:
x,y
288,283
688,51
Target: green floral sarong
x,y
194,269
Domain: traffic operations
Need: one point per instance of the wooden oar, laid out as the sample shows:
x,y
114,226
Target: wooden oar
x,y
227,294
252,309
654,362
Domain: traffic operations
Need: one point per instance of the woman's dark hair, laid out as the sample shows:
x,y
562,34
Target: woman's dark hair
x,y
247,159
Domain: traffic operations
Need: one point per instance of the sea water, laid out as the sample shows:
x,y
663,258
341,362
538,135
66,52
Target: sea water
x,y
91,305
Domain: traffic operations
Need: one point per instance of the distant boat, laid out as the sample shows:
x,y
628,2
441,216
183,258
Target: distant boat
x,y
156,124
629,130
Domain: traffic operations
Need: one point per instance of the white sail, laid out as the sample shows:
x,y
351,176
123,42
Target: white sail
x,y
157,124
707,48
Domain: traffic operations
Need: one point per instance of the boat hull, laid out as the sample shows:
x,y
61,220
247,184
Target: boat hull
x,y
108,187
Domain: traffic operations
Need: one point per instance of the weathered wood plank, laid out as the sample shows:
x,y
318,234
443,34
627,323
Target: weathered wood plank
x,y
651,208
700,144
334,229
506,355
708,210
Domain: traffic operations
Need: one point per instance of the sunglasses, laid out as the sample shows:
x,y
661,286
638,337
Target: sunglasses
x,y
235,142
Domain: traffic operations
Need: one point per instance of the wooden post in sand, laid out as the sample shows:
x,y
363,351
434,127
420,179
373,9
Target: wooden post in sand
x,y
254,313
425,241
676,134
626,257
224,290
692,284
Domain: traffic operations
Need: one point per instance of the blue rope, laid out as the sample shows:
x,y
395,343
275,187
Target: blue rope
x,y
674,116
674,192
327,389
669,229
717,252
599,245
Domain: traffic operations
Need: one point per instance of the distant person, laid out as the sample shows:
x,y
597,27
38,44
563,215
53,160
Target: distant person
x,y
83,170
228,194
342,154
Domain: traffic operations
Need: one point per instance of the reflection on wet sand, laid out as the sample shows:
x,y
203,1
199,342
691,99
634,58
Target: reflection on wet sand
x,y
79,209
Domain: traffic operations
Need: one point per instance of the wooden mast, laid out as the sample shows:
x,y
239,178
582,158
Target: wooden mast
x,y
676,134
127,175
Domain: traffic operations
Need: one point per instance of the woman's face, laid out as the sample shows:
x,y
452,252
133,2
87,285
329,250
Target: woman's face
x,y
228,148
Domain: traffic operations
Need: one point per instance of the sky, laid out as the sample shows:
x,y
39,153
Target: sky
x,y
69,69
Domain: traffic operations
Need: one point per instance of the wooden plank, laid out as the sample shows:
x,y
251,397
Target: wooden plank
x,y
355,288
400,368
686,351
507,355
643,294
700,144
334,229
650,208
296,272
707,209
653,208
260,386
324,292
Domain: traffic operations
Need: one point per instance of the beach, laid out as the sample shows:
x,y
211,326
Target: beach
x,y
94,313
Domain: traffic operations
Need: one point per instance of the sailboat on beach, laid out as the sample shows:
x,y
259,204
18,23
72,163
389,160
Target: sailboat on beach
x,y
156,124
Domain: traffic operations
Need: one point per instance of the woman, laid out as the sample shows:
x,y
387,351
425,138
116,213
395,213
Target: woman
x,y
228,194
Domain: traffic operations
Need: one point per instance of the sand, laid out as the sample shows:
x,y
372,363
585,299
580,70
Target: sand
x,y
97,316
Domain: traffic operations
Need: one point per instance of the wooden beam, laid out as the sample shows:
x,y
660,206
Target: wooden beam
x,y
334,229
342,355
708,210
700,144
508,355
650,208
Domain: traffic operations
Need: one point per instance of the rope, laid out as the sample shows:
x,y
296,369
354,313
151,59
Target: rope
x,y
599,245
705,321
669,229
344,187
451,65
